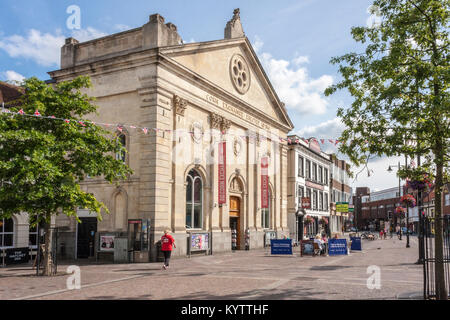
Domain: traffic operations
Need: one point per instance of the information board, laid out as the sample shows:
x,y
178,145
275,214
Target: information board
x,y
107,243
337,247
280,246
307,247
199,241
17,255
356,243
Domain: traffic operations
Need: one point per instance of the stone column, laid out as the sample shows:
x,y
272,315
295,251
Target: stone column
x,y
284,187
257,186
155,168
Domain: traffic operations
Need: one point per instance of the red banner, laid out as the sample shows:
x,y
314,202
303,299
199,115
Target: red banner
x,y
264,182
222,172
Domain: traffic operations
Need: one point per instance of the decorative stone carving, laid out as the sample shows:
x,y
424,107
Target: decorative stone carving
x,y
233,29
239,73
237,146
197,132
225,125
215,120
235,186
179,105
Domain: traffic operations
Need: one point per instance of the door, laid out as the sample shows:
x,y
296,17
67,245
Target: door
x,y
235,226
86,237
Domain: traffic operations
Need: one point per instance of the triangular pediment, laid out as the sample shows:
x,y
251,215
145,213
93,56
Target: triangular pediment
x,y
233,66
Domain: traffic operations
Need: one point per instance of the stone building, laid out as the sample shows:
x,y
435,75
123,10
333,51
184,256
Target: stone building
x,y
308,177
191,97
340,191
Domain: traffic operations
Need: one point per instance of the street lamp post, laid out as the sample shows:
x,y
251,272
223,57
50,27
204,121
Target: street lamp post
x,y
399,194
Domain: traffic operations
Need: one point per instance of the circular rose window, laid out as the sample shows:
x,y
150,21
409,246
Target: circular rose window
x,y
240,73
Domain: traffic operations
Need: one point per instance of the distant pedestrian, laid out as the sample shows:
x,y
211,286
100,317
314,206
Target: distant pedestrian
x,y
167,242
384,233
381,234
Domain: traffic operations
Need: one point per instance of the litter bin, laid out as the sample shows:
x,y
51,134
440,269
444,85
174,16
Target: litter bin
x,y
159,254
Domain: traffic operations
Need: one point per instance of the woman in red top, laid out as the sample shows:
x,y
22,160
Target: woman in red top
x,y
167,241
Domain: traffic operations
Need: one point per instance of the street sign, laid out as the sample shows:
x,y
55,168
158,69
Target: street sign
x,y
341,206
356,243
280,246
306,203
337,247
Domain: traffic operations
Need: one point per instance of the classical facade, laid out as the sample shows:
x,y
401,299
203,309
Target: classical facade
x,y
308,177
190,98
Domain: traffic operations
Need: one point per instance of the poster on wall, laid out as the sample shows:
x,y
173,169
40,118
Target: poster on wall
x,y
199,241
306,247
222,172
264,182
106,243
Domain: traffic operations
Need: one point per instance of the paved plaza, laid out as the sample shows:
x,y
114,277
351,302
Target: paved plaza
x,y
249,275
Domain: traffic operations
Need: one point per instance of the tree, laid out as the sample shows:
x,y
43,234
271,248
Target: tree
x,y
43,160
400,86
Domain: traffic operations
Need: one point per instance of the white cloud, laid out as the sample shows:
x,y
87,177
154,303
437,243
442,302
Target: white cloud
x,y
121,27
330,129
379,178
292,83
374,20
87,34
43,48
11,75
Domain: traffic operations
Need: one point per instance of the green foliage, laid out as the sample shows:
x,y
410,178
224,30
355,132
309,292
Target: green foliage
x,y
400,86
42,161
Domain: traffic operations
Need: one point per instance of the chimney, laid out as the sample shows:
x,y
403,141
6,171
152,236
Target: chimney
x,y
68,53
157,34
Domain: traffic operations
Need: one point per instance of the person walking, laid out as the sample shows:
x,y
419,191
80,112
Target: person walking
x,y
167,242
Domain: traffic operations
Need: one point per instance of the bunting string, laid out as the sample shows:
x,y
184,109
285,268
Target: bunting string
x,y
251,135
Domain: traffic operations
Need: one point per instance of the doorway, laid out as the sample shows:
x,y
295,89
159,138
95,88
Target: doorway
x,y
235,225
86,231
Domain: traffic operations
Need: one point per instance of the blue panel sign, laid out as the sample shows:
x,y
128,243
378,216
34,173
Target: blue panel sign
x,y
356,243
337,247
281,246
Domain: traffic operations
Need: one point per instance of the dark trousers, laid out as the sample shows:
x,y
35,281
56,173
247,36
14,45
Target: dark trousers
x,y
167,257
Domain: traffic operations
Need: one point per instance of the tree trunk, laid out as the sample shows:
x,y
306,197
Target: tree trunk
x,y
48,261
441,289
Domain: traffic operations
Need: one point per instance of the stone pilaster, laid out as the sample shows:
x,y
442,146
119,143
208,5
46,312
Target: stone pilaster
x,y
178,165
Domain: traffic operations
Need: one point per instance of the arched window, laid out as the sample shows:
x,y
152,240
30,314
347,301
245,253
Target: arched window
x,y
6,233
194,200
265,213
121,155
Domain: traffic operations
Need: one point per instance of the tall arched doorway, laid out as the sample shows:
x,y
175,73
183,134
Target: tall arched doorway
x,y
236,216
235,222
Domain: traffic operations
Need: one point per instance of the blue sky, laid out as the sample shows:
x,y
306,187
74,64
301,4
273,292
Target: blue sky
x,y
294,40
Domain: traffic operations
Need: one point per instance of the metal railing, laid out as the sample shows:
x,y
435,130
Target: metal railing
x,y
428,225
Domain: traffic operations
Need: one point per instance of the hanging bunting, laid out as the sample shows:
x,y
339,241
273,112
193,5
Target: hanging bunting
x,y
250,134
